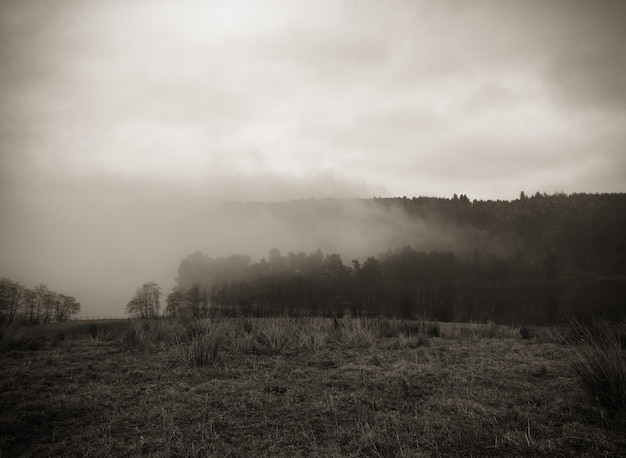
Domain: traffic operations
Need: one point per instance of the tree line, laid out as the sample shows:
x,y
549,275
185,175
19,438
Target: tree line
x,y
34,305
533,260
584,232
400,283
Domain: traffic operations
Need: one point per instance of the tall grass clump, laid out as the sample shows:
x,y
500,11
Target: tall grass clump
x,y
314,334
241,336
356,334
381,326
277,337
239,343
197,327
245,325
599,362
202,350
164,332
132,336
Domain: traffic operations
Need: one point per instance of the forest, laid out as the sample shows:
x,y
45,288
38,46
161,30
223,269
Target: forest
x,y
533,260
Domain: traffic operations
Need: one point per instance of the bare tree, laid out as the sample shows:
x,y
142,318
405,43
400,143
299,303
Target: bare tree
x,y
39,304
146,302
50,303
29,300
66,306
11,293
41,291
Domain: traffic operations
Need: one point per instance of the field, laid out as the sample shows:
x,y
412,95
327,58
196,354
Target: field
x,y
296,387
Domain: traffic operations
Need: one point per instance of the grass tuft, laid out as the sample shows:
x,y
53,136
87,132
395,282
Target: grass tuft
x,y
278,337
314,334
245,325
132,336
203,349
164,332
600,365
357,334
411,341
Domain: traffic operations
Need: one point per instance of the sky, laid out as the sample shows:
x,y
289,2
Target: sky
x,y
123,125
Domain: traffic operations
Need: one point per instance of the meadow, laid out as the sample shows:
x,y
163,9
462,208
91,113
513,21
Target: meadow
x,y
310,387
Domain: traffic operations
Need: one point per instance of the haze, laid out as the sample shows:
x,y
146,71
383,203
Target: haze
x,y
124,125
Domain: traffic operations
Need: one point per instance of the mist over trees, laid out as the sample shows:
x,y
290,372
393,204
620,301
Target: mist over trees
x,y
532,260
34,305
399,283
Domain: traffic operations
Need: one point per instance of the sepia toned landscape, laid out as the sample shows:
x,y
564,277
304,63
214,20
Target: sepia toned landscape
x,y
327,228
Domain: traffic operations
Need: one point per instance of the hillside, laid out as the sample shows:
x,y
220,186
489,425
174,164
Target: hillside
x,y
535,259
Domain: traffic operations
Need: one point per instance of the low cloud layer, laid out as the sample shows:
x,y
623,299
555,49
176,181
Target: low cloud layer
x,y
99,246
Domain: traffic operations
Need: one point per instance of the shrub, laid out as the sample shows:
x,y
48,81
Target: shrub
x,y
599,362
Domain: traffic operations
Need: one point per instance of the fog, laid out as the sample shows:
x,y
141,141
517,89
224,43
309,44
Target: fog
x,y
99,246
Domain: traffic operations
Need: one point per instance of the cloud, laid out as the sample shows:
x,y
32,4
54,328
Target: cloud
x,y
586,65
320,85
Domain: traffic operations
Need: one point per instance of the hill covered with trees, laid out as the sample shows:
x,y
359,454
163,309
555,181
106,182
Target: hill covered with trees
x,y
531,260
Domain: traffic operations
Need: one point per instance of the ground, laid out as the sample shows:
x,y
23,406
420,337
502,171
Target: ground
x,y
463,393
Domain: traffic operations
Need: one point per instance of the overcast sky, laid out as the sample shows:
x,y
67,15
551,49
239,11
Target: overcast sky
x,y
118,118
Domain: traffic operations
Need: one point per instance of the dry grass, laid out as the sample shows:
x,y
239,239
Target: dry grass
x,y
599,360
21,338
201,351
395,396
276,337
314,334
356,334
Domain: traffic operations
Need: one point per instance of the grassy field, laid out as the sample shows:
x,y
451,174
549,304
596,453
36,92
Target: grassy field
x,y
297,387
